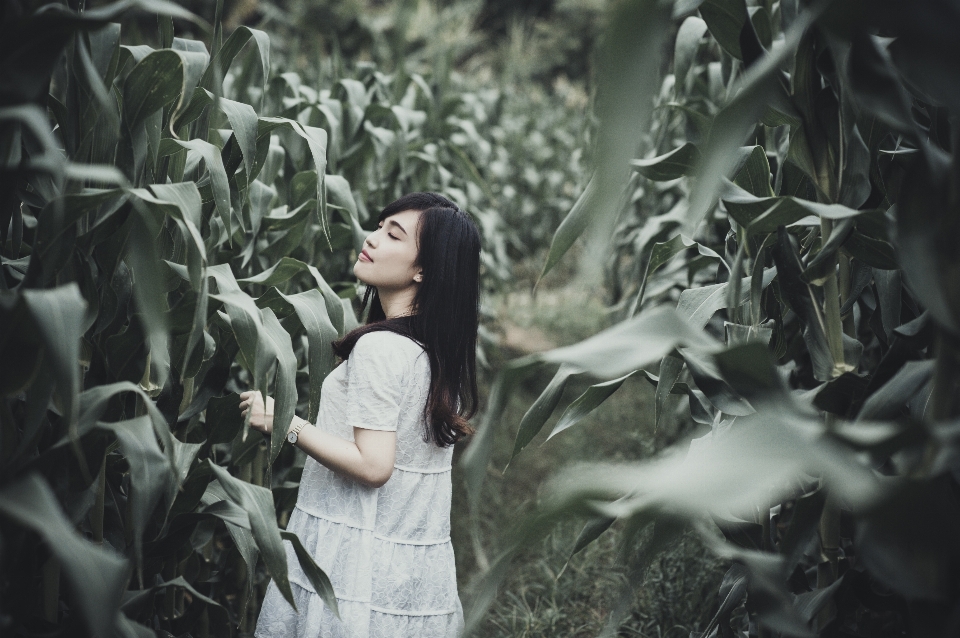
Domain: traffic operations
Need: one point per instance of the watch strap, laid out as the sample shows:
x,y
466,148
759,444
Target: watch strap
x,y
295,430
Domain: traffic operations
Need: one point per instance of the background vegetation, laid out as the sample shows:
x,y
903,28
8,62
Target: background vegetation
x,y
743,338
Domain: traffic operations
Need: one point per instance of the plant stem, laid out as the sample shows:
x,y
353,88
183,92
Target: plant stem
x,y
831,308
849,328
96,512
256,470
188,387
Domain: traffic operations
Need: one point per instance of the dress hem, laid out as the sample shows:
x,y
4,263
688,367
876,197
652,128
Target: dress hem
x,y
375,608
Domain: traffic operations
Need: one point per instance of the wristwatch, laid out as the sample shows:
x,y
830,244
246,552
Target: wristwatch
x,y
294,432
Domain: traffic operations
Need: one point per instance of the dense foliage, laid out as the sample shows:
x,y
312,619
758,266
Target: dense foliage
x,y
799,293
178,222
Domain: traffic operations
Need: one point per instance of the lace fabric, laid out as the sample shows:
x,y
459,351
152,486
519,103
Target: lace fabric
x,y
386,550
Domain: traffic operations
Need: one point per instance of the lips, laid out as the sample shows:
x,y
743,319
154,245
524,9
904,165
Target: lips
x,y
365,255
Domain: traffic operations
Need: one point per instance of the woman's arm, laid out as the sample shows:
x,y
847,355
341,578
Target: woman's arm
x,y
369,458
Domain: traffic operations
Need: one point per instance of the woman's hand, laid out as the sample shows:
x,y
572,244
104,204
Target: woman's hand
x,y
261,416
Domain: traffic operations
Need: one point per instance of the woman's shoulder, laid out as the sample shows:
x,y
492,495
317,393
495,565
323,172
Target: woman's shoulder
x,y
386,345
388,339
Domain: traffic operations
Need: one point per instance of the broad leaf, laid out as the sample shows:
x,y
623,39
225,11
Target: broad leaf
x,y
97,576
586,403
320,581
677,163
538,413
258,503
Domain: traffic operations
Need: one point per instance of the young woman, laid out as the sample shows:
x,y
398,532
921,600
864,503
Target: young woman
x,y
374,502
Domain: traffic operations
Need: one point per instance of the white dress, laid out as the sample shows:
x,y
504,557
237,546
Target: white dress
x,y
386,550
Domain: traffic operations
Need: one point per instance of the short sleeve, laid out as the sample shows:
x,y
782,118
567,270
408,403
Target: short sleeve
x,y
375,371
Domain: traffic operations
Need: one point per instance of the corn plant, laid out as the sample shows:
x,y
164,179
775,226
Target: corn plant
x,y
784,265
177,223
160,242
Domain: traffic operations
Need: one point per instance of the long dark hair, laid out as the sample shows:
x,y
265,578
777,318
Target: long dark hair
x,y
445,313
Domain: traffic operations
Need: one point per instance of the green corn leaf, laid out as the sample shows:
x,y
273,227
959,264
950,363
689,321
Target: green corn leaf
x,y
129,628
224,57
57,314
260,197
97,576
824,264
339,196
184,455
195,61
663,252
889,297
877,86
258,503
871,251
276,274
725,19
243,312
709,380
754,175
218,174
685,48
701,123
282,218
275,345
761,215
569,230
114,10
156,80
243,538
697,305
629,345
320,581
228,512
310,309
538,413
356,103
186,212
316,139
732,124
586,403
149,472
243,121
670,368
629,62
677,163
287,268
476,457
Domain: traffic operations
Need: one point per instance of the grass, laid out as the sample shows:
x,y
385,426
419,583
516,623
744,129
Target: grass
x,y
679,592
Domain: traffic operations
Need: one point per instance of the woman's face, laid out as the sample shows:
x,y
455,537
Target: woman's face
x,y
389,253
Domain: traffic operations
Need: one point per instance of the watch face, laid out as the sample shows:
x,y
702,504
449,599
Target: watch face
x,y
292,437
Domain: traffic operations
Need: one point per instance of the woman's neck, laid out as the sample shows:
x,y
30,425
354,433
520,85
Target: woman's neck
x,y
397,303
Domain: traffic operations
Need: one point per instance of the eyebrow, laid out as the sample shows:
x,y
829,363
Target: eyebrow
x,y
394,222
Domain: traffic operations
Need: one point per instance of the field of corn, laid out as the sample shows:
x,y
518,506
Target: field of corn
x,y
721,326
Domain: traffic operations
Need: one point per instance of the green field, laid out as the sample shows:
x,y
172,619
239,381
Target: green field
x,y
718,252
